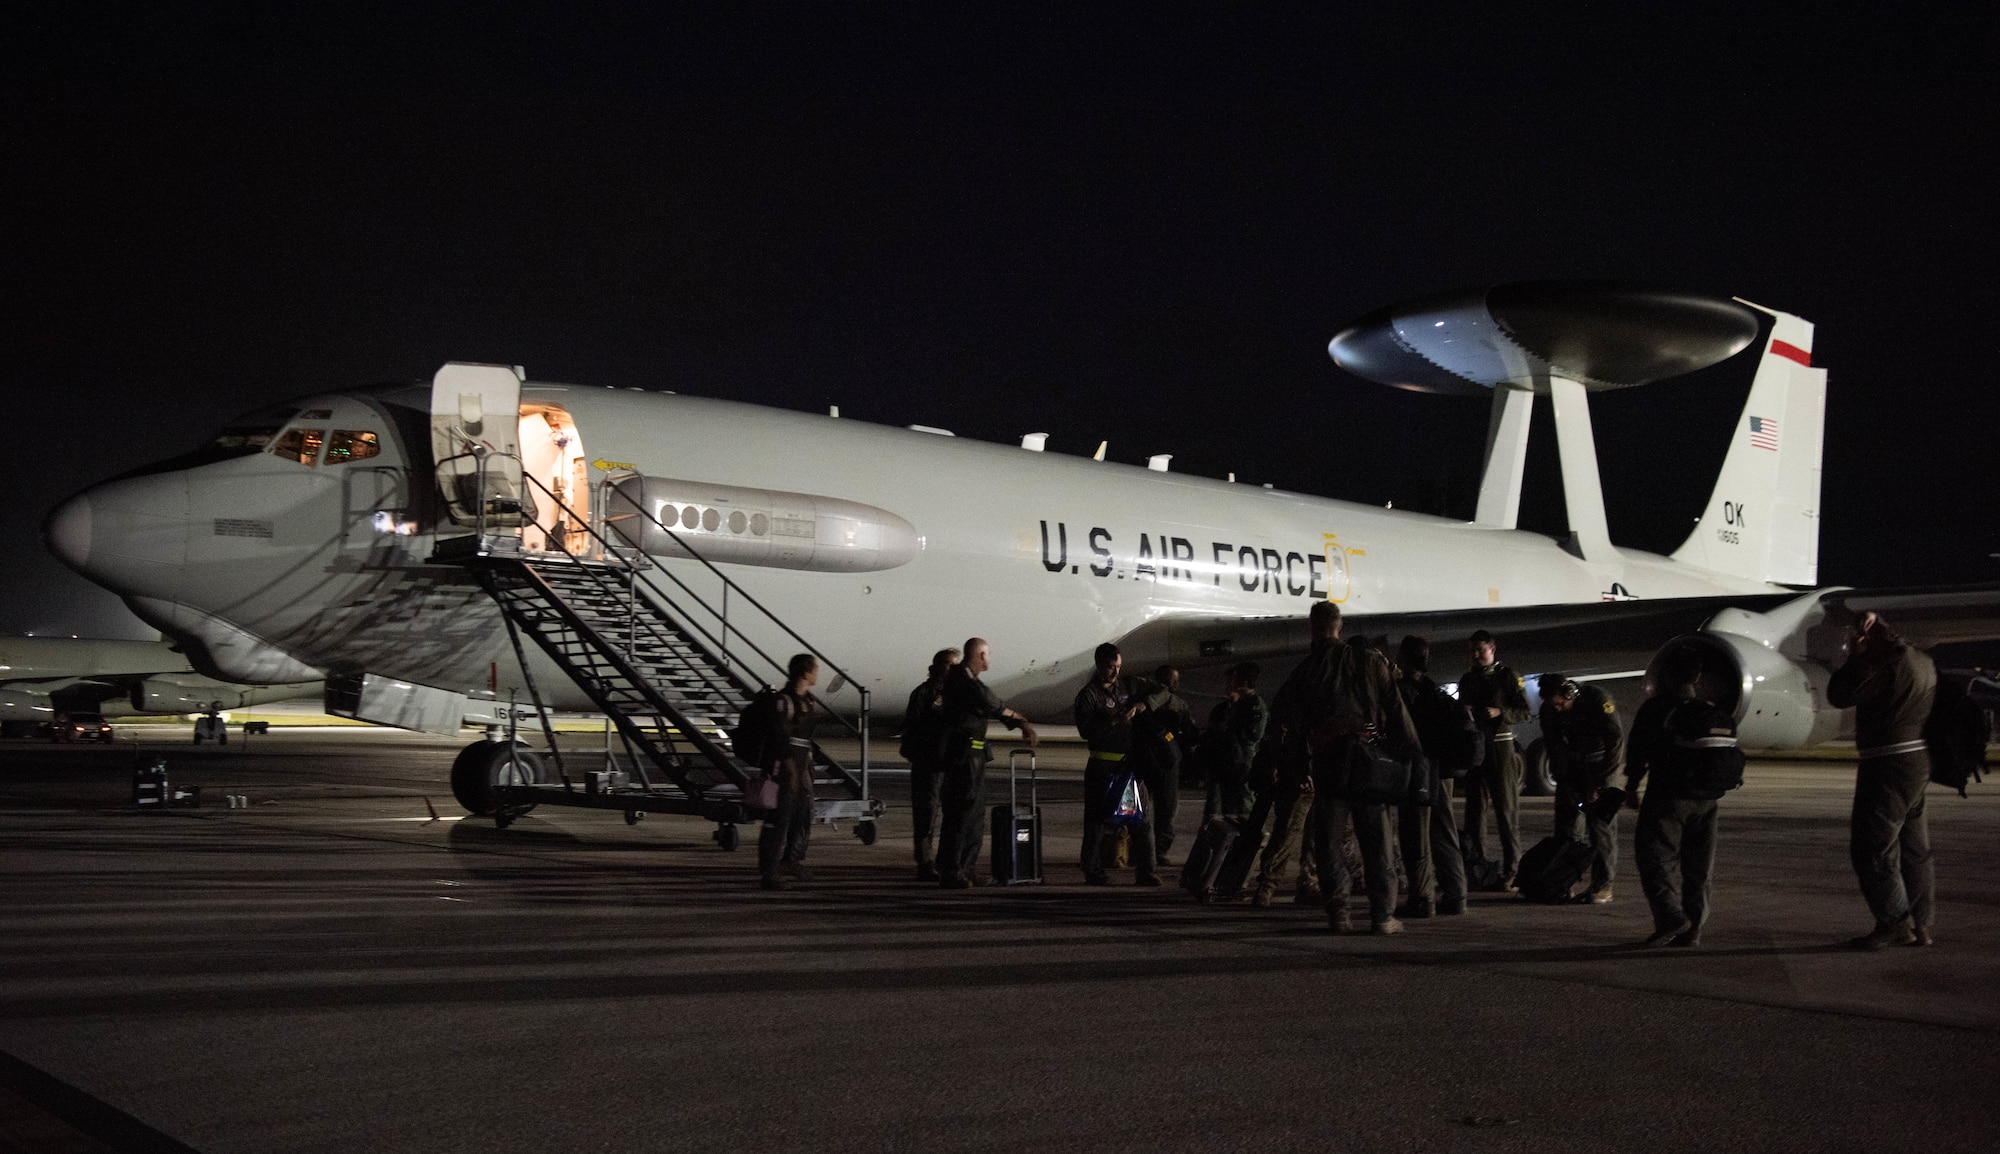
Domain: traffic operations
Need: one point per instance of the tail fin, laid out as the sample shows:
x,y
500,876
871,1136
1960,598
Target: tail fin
x,y
1762,521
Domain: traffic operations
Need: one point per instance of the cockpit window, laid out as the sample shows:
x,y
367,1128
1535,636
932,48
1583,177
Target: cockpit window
x,y
247,435
301,445
351,445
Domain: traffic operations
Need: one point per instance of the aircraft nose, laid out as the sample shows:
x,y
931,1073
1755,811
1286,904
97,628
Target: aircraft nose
x,y
128,535
67,532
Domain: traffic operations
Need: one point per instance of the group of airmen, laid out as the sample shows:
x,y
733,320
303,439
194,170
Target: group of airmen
x,y
1277,779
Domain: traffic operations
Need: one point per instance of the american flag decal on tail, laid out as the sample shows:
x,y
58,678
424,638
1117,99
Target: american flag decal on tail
x,y
1764,433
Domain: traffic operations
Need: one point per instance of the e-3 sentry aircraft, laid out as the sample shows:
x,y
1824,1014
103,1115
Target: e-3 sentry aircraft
x,y
44,678
471,536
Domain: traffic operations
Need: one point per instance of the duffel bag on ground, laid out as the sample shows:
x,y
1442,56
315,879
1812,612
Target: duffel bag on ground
x,y
1557,870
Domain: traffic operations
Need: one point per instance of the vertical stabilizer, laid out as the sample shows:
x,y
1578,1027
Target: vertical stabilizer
x,y
1762,520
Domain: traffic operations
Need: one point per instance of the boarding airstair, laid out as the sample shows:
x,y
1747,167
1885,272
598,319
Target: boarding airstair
x,y
666,666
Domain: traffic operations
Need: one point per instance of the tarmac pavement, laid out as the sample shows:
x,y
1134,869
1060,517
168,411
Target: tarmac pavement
x,y
329,970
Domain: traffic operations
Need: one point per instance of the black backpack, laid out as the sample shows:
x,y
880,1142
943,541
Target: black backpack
x,y
1450,738
758,738
1707,759
1957,731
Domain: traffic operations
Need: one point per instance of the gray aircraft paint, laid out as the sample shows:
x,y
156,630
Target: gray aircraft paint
x,y
321,581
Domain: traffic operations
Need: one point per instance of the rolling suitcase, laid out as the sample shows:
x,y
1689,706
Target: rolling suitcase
x,y
1232,878
1211,849
1017,834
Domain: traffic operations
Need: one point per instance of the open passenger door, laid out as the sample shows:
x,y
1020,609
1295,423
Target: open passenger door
x,y
475,439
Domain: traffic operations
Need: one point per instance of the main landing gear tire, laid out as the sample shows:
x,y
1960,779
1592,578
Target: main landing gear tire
x,y
485,764
866,832
1536,781
726,836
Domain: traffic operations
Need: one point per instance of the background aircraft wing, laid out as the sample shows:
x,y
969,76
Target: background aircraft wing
x,y
1929,616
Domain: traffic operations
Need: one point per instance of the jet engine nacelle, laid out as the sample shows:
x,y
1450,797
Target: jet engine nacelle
x,y
159,695
21,705
1769,669
1779,701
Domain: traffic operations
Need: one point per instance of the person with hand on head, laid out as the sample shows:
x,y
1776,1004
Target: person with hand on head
x,y
1890,686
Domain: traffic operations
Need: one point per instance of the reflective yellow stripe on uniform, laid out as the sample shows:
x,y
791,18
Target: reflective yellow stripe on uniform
x,y
979,743
1100,755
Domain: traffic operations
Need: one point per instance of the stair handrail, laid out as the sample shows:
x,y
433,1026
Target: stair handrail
x,y
860,730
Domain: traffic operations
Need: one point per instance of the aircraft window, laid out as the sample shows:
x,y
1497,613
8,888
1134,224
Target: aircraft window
x,y
737,521
301,445
759,524
351,445
690,517
710,519
249,435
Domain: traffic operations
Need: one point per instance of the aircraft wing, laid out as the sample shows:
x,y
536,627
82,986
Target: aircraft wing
x,y
1598,639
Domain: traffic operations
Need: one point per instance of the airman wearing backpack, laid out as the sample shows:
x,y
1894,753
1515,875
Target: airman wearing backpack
x,y
1688,746
1428,834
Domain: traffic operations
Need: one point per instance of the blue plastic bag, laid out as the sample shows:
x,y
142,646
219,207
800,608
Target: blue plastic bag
x,y
1130,808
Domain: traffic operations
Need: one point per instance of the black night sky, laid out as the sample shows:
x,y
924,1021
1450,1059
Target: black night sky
x,y
1138,223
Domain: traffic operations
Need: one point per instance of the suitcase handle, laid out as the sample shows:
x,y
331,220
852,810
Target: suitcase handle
x,y
1013,783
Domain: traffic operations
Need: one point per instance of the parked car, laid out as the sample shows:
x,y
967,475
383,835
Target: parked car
x,y
79,727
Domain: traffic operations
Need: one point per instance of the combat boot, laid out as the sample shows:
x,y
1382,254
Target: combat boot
x,y
1451,907
1920,936
1262,898
1338,921
1896,935
1418,908
1666,936
1388,925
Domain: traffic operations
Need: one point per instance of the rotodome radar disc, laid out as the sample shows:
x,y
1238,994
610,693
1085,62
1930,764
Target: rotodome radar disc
x,y
1602,334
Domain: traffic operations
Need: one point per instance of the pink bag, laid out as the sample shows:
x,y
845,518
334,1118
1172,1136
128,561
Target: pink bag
x,y
761,791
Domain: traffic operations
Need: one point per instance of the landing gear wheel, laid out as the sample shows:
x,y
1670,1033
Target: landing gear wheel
x,y
866,832
727,837
484,764
634,816
1536,781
